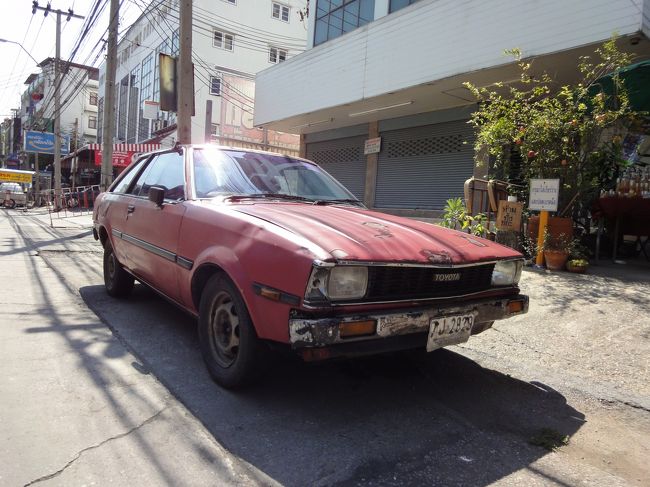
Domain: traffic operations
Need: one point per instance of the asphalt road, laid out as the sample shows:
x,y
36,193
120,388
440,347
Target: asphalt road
x,y
578,365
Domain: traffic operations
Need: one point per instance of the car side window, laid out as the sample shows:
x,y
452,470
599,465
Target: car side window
x,y
165,171
124,183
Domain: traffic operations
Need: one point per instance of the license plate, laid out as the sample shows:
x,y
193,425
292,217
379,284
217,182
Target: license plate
x,y
449,330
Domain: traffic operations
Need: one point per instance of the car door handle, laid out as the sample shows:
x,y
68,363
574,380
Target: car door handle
x,y
130,208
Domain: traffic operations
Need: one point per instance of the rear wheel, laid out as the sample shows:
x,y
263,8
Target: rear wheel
x,y
231,350
117,281
10,203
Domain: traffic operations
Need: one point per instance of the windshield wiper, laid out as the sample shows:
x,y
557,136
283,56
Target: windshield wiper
x,y
279,196
327,202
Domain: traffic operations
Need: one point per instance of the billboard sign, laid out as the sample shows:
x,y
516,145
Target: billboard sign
x,y
544,194
43,142
120,158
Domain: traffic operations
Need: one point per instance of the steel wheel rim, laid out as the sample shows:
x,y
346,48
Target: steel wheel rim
x,y
112,266
224,330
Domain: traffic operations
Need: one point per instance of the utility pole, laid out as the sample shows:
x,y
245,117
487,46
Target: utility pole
x,y
57,95
185,75
208,122
108,127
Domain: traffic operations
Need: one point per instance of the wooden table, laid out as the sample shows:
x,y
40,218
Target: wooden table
x,y
631,217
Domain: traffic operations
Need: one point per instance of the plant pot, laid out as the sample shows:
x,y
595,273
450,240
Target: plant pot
x,y
555,259
578,269
556,226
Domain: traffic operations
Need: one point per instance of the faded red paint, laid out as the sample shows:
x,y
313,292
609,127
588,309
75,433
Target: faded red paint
x,y
372,236
274,243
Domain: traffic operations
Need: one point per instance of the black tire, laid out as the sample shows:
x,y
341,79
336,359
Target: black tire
x,y
72,202
10,204
230,347
117,281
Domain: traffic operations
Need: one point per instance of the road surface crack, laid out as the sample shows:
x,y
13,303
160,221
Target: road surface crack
x,y
94,447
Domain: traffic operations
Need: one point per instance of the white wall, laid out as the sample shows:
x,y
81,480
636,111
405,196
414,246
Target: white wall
x,y
432,40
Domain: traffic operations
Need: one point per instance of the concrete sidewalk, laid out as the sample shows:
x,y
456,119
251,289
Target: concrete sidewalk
x,y
76,407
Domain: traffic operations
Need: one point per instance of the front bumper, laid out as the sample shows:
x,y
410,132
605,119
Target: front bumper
x,y
325,332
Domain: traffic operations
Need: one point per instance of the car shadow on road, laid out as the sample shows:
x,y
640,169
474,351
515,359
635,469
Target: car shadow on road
x,y
400,419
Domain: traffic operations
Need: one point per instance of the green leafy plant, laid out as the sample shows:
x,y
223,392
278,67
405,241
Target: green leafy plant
x,y
455,216
559,243
578,262
559,132
550,439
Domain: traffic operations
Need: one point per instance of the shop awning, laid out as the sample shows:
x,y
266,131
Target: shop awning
x,y
125,147
636,79
122,154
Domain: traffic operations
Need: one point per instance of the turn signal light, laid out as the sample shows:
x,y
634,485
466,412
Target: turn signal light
x,y
271,294
357,328
515,307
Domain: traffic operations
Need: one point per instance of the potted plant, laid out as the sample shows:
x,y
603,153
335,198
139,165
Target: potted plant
x,y
556,250
578,259
578,266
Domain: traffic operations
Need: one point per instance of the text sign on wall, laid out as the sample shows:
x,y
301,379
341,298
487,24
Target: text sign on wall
x,y
120,158
544,194
372,146
509,216
43,142
15,176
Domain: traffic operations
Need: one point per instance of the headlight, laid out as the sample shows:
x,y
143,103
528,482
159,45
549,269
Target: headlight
x,y
507,272
337,283
347,282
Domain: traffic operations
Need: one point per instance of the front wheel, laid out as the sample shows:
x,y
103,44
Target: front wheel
x,y
231,350
117,281
10,203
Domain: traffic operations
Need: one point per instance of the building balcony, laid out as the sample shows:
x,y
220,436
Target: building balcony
x,y
416,59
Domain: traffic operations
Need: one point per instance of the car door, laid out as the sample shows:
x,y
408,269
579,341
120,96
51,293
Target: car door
x,y
152,231
113,210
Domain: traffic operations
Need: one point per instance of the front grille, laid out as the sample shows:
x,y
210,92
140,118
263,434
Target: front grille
x,y
386,283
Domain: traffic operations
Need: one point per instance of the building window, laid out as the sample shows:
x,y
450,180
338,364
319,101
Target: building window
x,y
334,19
92,122
398,4
215,85
93,98
277,55
214,131
223,40
280,12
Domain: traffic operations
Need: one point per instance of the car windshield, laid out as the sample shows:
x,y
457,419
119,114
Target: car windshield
x,y
251,174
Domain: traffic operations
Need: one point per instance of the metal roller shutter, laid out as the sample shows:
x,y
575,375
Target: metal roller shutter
x,y
422,167
343,159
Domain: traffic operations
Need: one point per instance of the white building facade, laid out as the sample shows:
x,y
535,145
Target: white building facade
x,y
395,69
232,41
79,101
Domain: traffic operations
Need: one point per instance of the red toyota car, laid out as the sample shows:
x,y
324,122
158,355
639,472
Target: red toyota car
x,y
270,251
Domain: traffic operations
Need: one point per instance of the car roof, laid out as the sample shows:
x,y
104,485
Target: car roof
x,y
229,148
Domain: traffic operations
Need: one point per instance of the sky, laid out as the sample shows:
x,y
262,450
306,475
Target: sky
x,y
37,34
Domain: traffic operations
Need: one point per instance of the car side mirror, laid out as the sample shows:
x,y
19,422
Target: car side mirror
x,y
157,195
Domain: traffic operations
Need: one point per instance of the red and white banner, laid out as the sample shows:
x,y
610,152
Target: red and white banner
x,y
122,153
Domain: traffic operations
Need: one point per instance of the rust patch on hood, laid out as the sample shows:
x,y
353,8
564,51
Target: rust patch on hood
x,y
436,257
472,240
384,231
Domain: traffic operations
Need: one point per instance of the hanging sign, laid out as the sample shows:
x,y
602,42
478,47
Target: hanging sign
x,y
544,194
509,215
43,142
120,158
372,146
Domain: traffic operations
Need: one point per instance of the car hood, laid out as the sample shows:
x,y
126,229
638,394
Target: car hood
x,y
352,233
